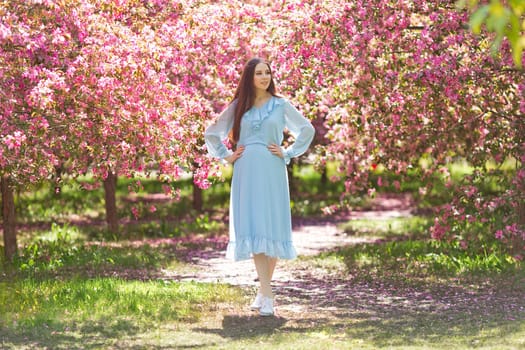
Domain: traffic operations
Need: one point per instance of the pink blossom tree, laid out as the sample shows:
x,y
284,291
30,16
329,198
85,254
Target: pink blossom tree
x,y
408,81
32,54
110,88
84,90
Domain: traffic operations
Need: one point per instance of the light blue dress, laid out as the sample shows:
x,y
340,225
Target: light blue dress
x,y
260,218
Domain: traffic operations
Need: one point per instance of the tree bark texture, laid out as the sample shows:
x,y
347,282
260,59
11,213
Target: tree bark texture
x,y
9,219
57,188
197,198
324,177
110,190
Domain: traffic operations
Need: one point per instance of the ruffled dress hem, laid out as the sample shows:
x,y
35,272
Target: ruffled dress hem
x,y
244,249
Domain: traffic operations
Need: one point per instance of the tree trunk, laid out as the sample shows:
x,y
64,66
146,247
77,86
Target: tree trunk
x,y
57,188
110,190
324,177
8,215
197,198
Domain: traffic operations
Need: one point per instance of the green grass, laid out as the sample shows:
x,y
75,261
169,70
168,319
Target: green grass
x,y
411,332
373,296
403,291
404,244
423,258
75,286
109,313
94,313
66,250
389,228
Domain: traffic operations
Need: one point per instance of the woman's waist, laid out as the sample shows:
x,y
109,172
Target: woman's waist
x,y
254,143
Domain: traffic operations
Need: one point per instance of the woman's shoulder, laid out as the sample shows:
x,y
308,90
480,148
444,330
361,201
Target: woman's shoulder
x,y
275,102
231,105
280,100
284,102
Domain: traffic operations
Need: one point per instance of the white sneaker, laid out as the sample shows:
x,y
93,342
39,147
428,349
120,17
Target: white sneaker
x,y
266,306
256,305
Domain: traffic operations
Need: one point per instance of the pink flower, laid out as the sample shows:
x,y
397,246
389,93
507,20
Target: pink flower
x,y
438,230
15,140
499,234
135,212
152,209
397,185
5,32
471,191
167,190
202,183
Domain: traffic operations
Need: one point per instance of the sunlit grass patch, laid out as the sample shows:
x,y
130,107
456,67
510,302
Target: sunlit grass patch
x,y
414,226
66,250
54,233
404,245
34,307
63,257
422,258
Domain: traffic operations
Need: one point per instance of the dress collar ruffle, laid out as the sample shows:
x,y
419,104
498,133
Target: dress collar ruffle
x,y
258,115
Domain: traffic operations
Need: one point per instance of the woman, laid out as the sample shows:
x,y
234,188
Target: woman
x,y
260,219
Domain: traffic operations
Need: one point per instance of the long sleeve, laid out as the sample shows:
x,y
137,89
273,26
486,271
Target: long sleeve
x,y
300,128
218,131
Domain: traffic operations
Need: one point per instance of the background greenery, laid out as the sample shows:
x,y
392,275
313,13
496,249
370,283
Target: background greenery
x,y
74,285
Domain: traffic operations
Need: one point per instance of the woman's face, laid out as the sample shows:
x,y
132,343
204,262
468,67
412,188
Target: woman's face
x,y
262,76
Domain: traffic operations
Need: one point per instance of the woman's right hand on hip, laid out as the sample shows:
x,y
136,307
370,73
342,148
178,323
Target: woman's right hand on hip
x,y
235,155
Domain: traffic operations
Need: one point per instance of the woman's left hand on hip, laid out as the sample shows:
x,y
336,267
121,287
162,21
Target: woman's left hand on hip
x,y
276,150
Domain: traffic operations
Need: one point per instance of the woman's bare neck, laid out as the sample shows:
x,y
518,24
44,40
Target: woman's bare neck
x,y
261,98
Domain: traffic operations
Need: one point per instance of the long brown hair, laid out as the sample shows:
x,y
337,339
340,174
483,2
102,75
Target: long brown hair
x,y
245,94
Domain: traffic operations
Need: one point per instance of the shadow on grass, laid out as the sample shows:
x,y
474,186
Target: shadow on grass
x,y
242,326
387,311
62,335
143,259
394,312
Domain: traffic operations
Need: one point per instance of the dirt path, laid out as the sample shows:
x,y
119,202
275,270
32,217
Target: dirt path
x,y
311,237
309,296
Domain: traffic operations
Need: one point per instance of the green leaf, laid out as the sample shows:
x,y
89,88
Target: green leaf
x,y
515,23
518,6
498,17
460,4
517,51
496,43
477,18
